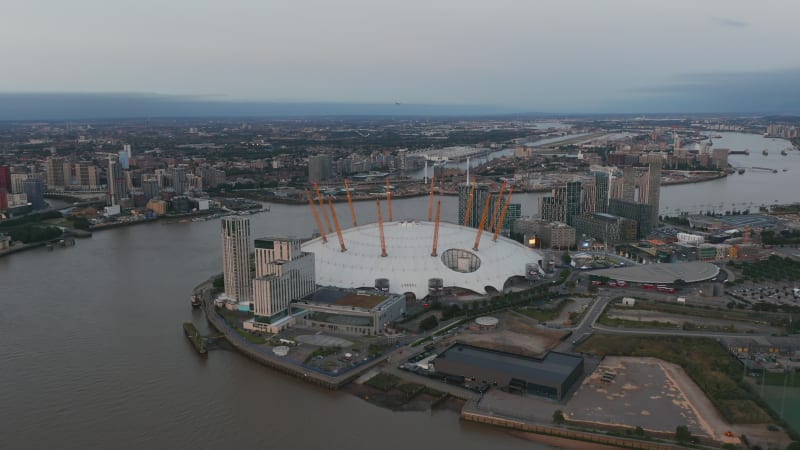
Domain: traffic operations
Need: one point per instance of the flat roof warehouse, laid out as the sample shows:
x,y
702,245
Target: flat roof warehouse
x,y
551,376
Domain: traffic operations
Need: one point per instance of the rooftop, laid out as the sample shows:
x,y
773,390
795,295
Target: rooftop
x,y
553,369
346,297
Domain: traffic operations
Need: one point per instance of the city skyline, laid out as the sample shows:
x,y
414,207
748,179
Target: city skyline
x,y
453,58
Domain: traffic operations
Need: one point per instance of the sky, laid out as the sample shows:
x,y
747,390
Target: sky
x,y
555,56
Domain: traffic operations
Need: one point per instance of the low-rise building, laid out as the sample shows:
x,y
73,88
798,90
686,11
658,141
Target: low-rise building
x,y
350,311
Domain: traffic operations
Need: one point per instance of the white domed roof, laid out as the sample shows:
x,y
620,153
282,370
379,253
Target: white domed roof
x,y
409,264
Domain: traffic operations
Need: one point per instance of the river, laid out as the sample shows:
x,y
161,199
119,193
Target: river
x,y
92,354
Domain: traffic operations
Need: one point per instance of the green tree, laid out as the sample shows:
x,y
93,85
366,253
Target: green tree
x,y
219,283
565,258
428,323
558,417
682,434
639,431
679,282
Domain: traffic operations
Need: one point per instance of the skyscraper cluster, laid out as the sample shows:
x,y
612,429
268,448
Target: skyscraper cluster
x,y
628,206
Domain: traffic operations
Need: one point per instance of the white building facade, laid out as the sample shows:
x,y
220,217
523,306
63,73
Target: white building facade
x,y
284,273
236,259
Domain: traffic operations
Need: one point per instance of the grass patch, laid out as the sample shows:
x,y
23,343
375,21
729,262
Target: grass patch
x,y
627,323
545,314
433,392
323,351
383,381
410,390
778,379
253,339
709,365
376,349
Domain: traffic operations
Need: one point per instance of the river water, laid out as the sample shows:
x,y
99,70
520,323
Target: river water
x,y
92,354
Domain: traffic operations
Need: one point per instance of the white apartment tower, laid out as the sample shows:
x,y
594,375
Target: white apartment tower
x,y
283,273
236,259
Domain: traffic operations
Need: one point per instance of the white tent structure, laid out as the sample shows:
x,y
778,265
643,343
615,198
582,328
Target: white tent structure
x,y
409,265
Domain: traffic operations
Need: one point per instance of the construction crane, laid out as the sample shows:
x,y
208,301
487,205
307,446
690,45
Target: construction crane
x,y
336,224
493,219
322,207
503,215
430,202
389,198
380,229
469,205
436,228
350,202
483,222
316,216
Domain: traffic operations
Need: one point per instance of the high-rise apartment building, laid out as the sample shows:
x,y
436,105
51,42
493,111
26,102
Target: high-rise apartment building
x,y
284,273
320,168
654,186
117,183
5,178
236,259
179,180
17,180
54,169
479,198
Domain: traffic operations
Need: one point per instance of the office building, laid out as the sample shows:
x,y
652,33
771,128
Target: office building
x,y
606,228
601,191
236,260
479,198
573,200
34,191
320,168
545,234
642,213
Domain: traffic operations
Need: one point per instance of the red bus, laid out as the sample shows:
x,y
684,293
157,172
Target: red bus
x,y
648,286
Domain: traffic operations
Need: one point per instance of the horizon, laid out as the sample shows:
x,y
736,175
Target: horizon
x,y
58,106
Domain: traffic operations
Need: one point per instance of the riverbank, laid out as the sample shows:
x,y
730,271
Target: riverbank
x,y
264,355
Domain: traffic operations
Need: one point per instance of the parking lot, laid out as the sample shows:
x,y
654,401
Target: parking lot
x,y
645,392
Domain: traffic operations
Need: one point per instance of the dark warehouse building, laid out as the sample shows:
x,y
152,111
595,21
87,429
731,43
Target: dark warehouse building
x,y
551,376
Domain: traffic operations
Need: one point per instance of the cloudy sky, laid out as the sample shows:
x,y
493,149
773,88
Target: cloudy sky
x,y
523,55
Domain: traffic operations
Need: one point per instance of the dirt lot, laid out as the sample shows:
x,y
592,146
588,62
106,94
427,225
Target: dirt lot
x,y
679,319
514,334
646,392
